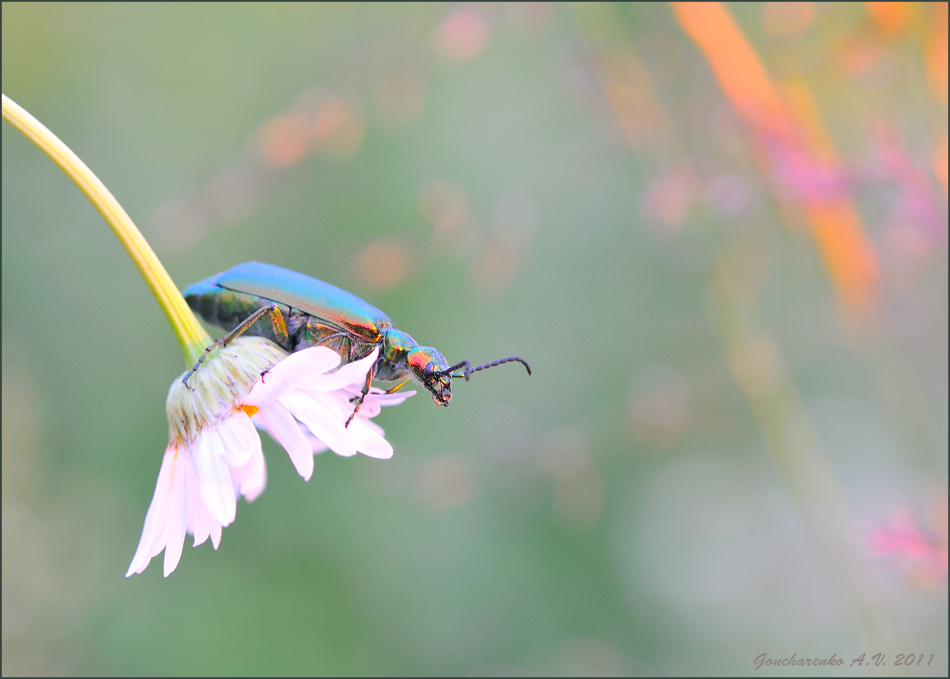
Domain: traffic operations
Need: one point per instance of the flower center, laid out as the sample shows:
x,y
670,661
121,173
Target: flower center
x,y
219,385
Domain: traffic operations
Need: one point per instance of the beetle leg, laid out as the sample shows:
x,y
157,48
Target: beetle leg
x,y
397,387
280,328
359,401
400,385
335,336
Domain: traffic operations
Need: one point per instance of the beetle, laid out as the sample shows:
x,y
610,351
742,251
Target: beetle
x,y
305,312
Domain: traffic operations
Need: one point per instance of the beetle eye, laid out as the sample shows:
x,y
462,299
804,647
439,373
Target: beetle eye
x,y
429,372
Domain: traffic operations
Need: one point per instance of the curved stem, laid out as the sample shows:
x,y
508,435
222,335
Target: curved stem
x,y
191,335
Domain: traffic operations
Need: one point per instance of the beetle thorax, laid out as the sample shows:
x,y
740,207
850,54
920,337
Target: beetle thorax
x,y
396,345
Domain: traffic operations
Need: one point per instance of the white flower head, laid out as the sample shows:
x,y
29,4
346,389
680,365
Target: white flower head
x,y
214,452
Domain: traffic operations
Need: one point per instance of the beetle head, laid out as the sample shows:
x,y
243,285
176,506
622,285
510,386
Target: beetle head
x,y
430,367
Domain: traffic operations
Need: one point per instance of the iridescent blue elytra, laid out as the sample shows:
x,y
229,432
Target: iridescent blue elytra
x,y
304,312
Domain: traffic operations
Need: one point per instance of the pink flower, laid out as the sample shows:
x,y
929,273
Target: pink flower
x,y
196,490
307,415
214,452
903,541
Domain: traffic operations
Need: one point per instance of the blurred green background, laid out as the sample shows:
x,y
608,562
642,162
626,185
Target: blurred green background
x,y
735,438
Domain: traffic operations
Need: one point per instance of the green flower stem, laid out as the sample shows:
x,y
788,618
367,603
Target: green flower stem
x,y
191,335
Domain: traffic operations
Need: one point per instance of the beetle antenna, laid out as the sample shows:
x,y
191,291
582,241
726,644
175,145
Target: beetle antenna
x,y
467,371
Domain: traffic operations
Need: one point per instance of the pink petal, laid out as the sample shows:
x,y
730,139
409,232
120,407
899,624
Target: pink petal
x,y
306,365
214,477
369,442
281,425
338,403
324,424
177,518
199,521
373,426
239,439
255,478
316,445
351,373
369,408
237,479
393,399
153,532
